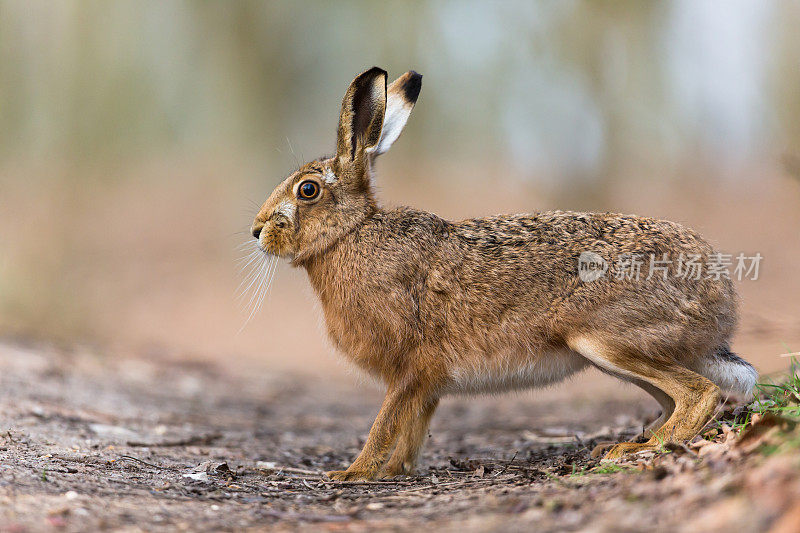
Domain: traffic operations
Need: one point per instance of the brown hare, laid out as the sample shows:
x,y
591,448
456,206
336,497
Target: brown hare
x,y
433,307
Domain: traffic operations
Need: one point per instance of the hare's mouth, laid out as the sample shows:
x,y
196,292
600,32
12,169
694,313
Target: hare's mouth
x,y
274,246
268,251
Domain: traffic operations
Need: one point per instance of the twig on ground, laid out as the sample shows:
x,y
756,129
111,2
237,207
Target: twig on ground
x,y
363,482
136,459
503,471
190,441
300,517
292,470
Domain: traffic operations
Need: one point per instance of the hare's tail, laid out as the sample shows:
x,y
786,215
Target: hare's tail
x,y
727,370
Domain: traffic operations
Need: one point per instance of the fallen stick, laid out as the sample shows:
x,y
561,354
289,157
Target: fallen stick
x,y
190,441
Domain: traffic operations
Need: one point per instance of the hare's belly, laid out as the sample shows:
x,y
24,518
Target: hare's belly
x,y
502,372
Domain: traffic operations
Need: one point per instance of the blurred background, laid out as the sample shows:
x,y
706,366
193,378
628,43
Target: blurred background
x,y
137,140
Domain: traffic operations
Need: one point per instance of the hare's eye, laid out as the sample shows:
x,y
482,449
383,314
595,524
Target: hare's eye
x,y
308,190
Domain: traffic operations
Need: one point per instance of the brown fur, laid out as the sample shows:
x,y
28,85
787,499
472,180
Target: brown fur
x,y
430,306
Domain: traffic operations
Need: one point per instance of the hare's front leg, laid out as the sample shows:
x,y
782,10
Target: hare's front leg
x,y
398,410
404,457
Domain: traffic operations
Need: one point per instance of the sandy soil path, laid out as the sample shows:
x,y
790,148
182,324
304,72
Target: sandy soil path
x,y
92,441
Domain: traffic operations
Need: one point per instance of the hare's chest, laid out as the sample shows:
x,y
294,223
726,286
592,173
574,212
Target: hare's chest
x,y
375,335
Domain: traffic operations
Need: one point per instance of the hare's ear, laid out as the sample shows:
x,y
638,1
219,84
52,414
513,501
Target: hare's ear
x,y
401,96
361,118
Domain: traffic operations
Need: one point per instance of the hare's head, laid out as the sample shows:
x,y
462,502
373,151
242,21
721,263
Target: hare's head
x,y
328,197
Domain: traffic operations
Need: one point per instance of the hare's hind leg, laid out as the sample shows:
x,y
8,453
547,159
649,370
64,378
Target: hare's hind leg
x,y
667,408
404,457
694,396
663,399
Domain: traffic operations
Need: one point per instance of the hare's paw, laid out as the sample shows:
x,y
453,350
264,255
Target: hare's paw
x,y
397,469
337,475
601,448
350,475
624,448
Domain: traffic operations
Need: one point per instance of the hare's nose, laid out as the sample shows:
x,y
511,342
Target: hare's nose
x,y
257,229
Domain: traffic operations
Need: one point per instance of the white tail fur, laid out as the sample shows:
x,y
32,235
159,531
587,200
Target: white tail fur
x,y
728,371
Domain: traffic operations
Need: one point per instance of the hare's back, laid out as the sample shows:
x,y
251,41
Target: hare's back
x,y
569,233
589,260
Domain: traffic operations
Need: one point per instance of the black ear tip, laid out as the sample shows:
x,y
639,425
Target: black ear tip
x,y
413,86
374,72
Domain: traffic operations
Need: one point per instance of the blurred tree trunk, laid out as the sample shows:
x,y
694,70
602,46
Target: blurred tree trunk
x,y
611,44
784,83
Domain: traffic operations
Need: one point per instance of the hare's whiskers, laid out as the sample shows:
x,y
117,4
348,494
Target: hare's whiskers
x,y
260,278
246,260
257,296
249,243
248,280
274,269
254,275
268,277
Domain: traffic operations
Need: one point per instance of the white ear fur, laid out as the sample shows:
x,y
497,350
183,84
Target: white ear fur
x,y
401,96
397,113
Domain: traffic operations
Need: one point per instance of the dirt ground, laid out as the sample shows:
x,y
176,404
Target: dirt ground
x,y
154,442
